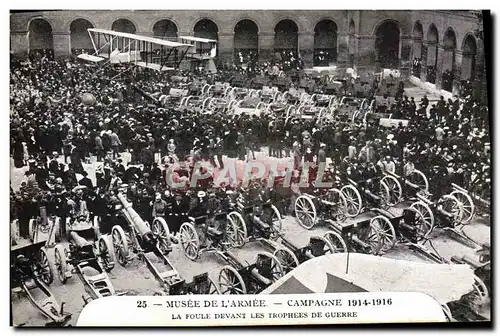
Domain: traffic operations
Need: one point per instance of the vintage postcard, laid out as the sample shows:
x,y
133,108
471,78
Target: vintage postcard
x,y
249,167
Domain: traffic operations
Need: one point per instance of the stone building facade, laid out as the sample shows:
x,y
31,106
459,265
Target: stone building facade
x,y
362,39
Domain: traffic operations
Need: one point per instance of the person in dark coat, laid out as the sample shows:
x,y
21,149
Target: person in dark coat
x,y
85,181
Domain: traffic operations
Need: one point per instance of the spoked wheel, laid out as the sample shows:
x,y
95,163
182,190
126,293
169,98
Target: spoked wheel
x,y
273,218
45,268
305,212
106,253
61,263
231,232
241,233
385,195
319,246
419,179
190,241
386,232
337,242
353,199
454,207
286,258
231,282
31,229
447,312
480,290
395,190
339,209
370,236
14,232
424,219
273,271
161,231
120,244
467,204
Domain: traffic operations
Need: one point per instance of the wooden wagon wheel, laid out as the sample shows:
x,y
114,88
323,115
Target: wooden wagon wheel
x,y
337,241
273,218
353,198
325,244
453,206
395,190
419,179
242,233
45,267
467,205
339,209
161,231
424,219
106,252
32,227
386,232
370,235
14,232
447,312
305,212
385,195
190,241
120,244
230,232
287,258
61,263
276,271
231,282
480,290
57,229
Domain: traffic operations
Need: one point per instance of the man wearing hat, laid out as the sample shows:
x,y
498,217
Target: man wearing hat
x,y
198,206
321,157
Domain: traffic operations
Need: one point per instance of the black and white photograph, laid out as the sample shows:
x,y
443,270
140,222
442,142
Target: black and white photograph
x,y
249,152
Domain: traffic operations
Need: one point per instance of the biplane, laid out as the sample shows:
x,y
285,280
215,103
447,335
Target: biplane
x,y
113,47
203,53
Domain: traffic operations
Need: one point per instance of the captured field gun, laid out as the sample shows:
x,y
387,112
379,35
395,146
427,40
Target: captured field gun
x,y
90,259
151,244
31,274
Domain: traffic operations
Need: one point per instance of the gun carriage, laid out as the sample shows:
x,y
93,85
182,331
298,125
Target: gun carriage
x,y
31,274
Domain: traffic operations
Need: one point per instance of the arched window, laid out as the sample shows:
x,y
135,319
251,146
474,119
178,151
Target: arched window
x,y
325,43
80,39
40,38
286,40
246,42
387,44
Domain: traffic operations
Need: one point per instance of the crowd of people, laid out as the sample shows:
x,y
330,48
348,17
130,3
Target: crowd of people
x,y
67,116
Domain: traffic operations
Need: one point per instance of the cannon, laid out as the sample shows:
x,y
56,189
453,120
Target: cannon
x,y
90,260
152,244
413,183
236,278
269,94
42,224
202,234
31,274
218,89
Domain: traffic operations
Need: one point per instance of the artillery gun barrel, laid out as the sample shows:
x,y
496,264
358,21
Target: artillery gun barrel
x,y
358,241
133,216
259,221
261,278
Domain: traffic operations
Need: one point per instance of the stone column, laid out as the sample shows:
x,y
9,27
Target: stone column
x,y
365,56
266,46
405,60
423,71
19,43
62,44
226,47
342,49
441,63
457,73
306,48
